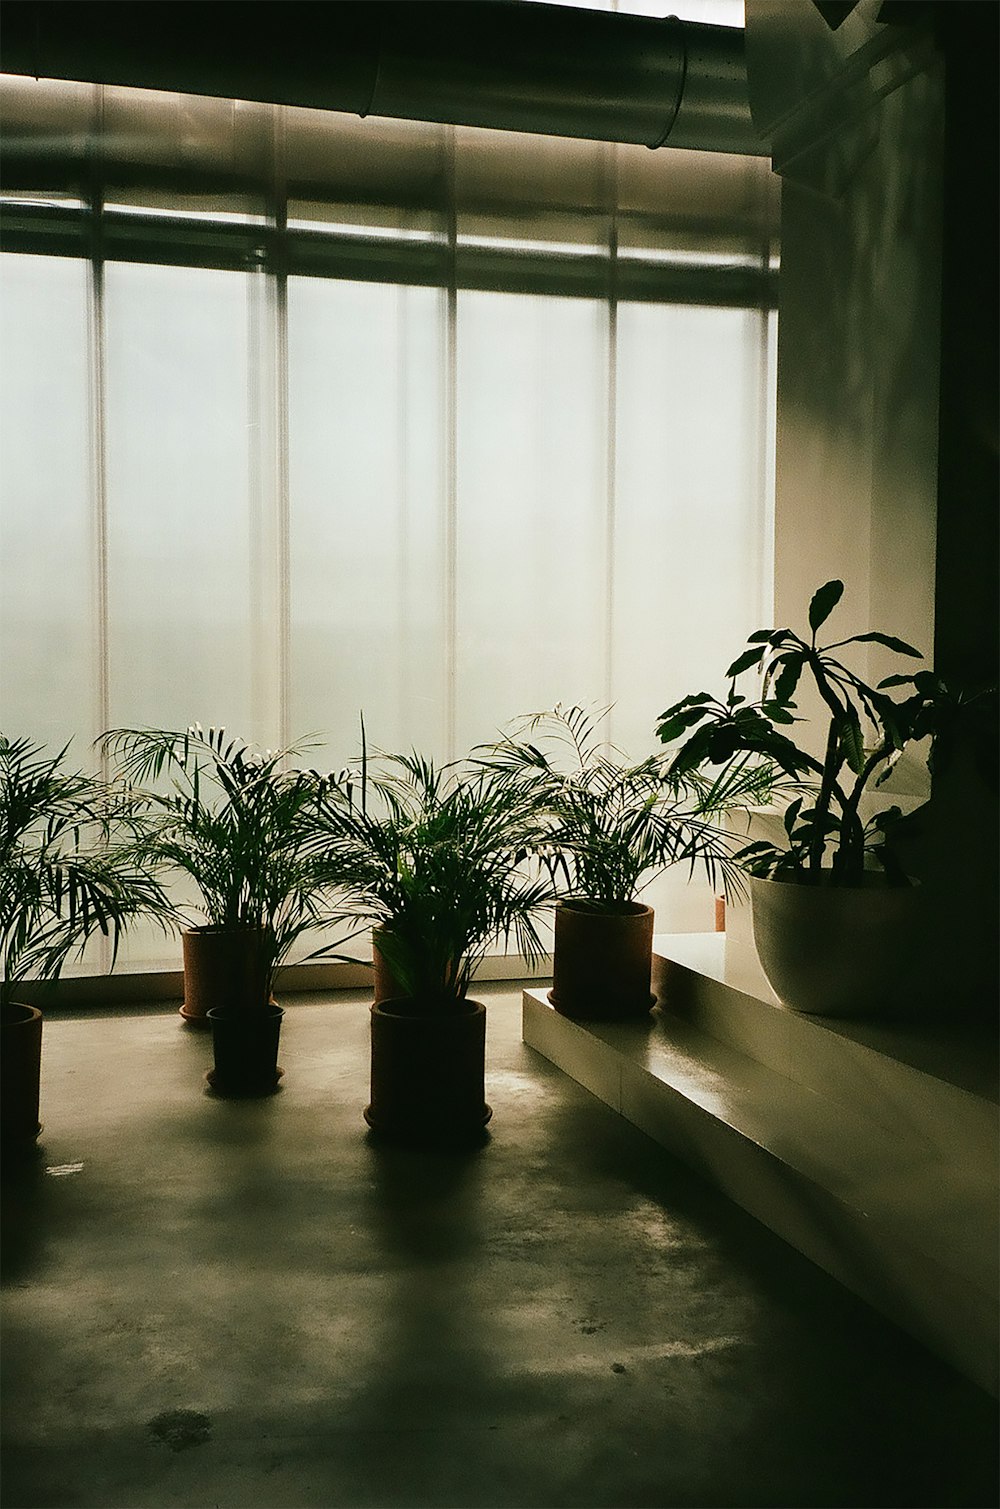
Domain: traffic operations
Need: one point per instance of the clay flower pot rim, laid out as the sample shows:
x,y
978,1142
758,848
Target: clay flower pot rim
x,y
203,928
411,1008
240,1013
15,1013
584,905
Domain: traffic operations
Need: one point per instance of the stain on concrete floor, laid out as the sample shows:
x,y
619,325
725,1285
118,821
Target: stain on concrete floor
x,y
181,1428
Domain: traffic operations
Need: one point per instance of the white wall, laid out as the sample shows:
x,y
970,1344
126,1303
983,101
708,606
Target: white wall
x,y
858,332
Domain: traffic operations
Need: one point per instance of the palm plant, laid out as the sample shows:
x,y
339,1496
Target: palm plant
x,y
608,826
238,824
66,870
434,857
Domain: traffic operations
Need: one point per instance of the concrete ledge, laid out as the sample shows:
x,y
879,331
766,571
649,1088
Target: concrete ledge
x,y
883,1175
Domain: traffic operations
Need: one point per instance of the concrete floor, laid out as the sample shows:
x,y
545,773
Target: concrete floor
x,y
222,1304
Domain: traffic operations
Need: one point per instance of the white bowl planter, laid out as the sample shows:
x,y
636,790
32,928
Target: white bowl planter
x,y
838,950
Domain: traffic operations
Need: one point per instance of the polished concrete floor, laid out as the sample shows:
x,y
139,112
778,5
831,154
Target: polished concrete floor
x,y
231,1304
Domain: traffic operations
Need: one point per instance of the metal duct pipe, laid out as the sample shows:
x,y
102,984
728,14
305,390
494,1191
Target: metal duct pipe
x,y
500,63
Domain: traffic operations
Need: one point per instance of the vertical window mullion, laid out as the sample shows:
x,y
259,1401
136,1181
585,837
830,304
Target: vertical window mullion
x,y
267,400
100,598
611,494
451,454
279,213
611,475
285,733
99,493
402,516
267,431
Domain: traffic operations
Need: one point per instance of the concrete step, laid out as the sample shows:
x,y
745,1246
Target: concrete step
x,y
881,1171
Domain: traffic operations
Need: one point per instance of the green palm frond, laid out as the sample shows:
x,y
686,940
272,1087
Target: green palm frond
x,y
68,866
608,826
237,821
438,857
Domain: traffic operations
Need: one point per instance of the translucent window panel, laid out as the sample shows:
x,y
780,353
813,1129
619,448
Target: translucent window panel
x,y
367,513
181,596
714,12
531,593
690,511
47,622
718,12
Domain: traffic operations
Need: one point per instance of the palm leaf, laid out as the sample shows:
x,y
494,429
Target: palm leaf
x,y
67,868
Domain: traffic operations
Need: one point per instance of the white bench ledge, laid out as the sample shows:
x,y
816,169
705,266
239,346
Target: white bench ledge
x,y
883,1174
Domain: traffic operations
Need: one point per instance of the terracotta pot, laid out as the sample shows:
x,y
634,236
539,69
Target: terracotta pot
x,y
20,1072
428,1072
245,1044
602,961
221,968
838,950
385,984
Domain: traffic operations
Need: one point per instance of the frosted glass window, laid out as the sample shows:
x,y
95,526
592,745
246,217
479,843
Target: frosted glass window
x,y
716,12
48,625
367,533
418,463
530,584
690,567
181,595
712,12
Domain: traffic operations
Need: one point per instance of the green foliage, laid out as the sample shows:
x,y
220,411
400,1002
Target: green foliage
x,y
823,603
238,824
868,730
437,857
607,827
67,868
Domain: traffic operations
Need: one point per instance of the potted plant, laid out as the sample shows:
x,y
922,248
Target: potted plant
x,y
833,909
605,828
435,858
241,826
63,878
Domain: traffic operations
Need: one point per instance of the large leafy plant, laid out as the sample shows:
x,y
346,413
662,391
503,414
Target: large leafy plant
x,y
241,824
605,826
67,870
827,839
437,857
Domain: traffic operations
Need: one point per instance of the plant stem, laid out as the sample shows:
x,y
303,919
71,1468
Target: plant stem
x,y
828,781
852,839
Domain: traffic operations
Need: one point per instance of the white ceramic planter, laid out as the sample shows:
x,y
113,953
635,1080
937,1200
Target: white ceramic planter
x,y
838,951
